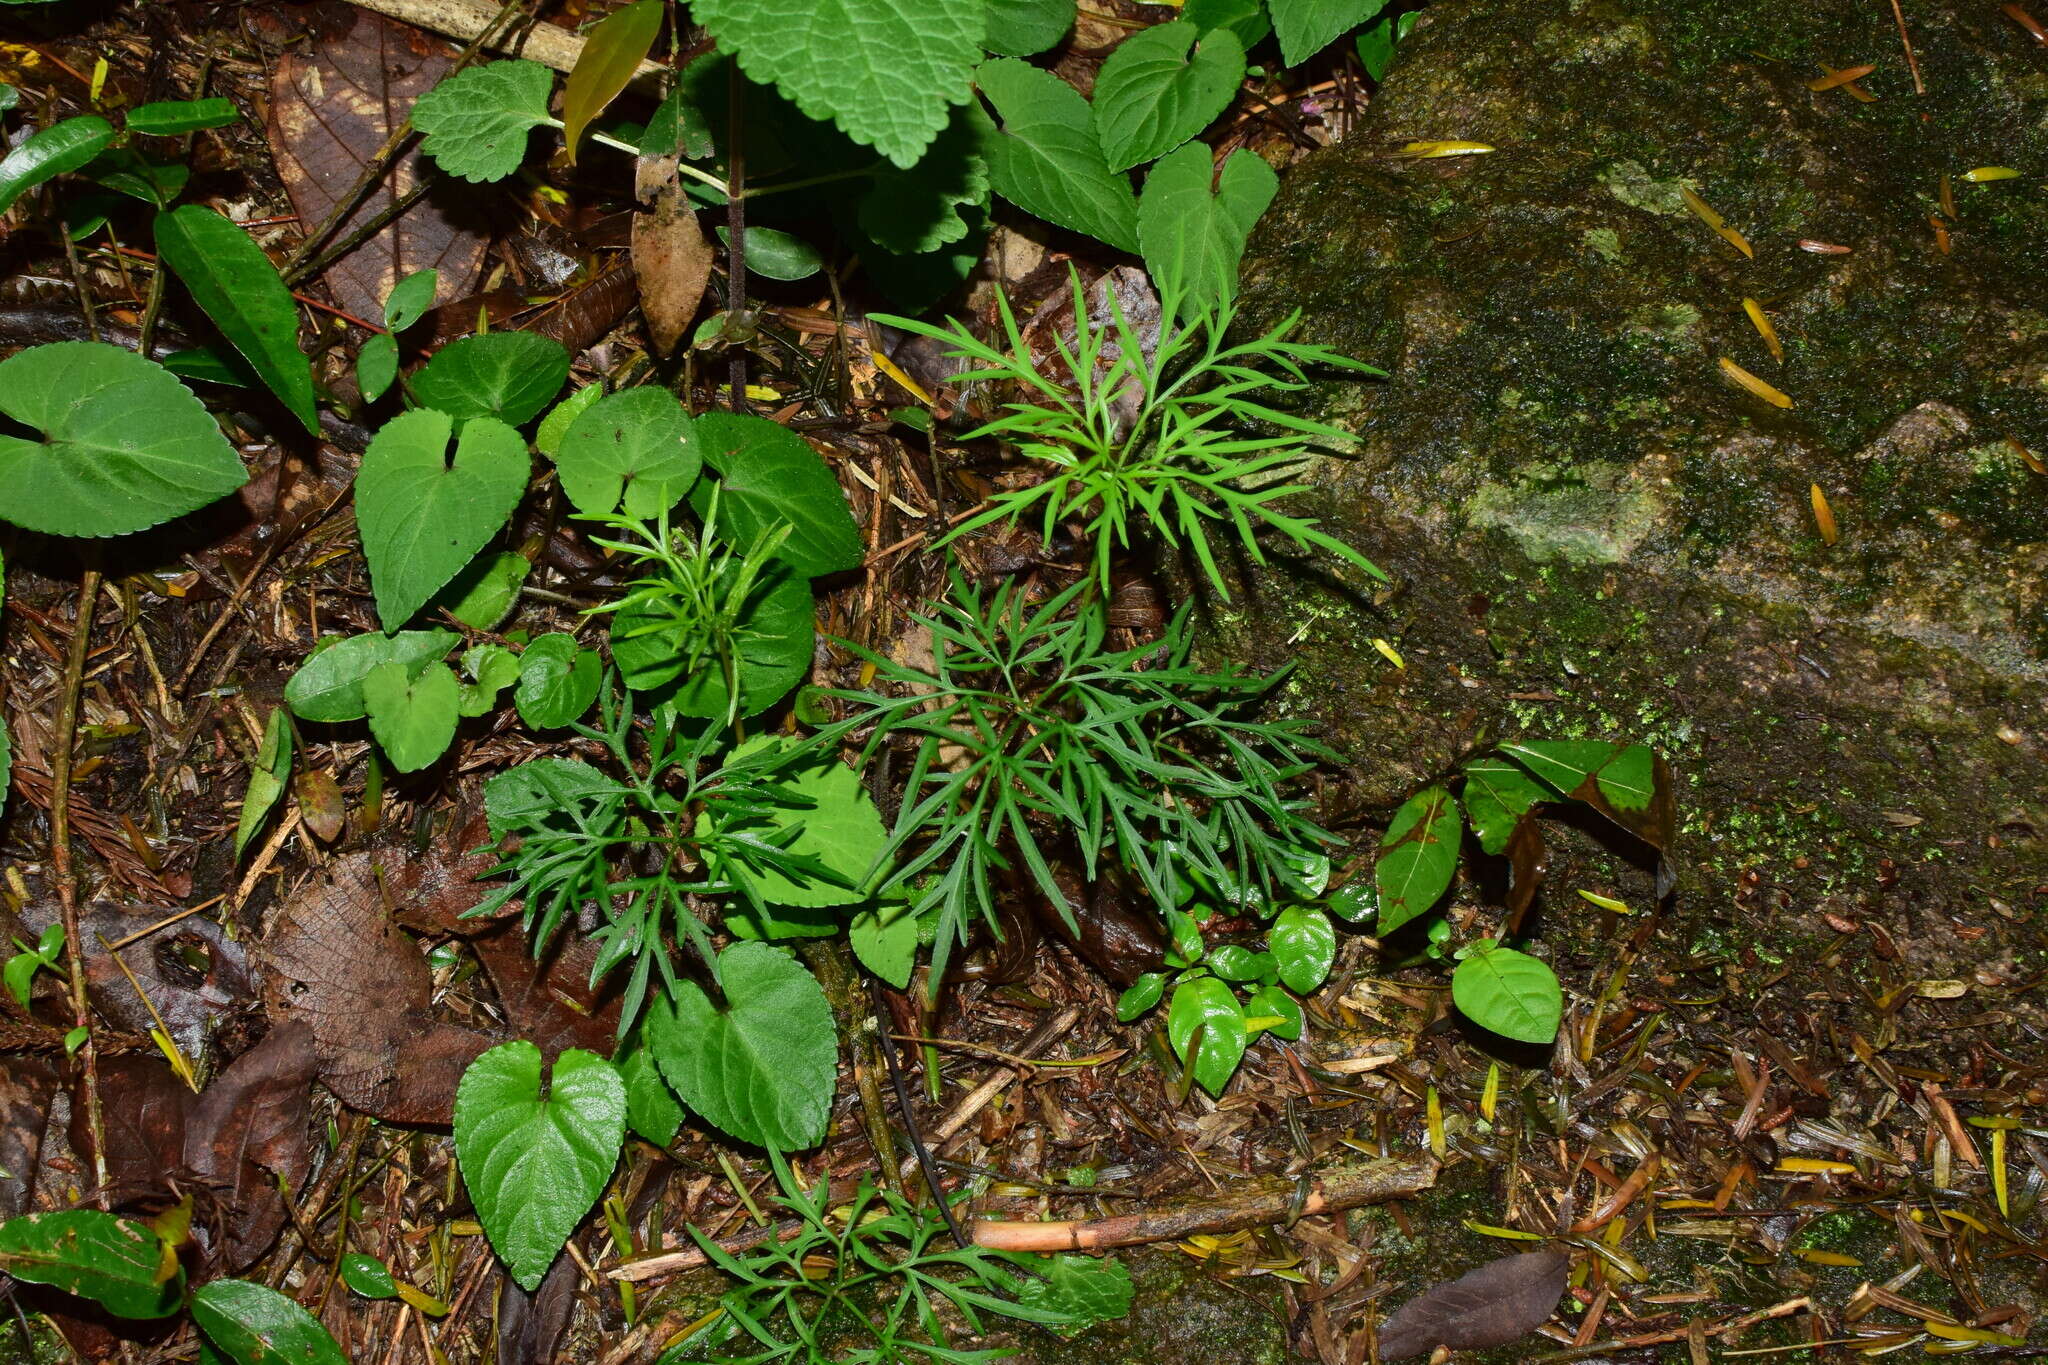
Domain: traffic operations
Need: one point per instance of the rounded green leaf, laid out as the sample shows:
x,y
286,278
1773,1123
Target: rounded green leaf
x,y
1207,1005
841,828
507,375
1510,993
1019,28
255,1325
55,150
240,291
368,1276
483,594
410,298
769,477
638,445
1143,994
412,716
329,685
534,1165
761,1064
1304,943
477,120
117,1263
780,255
1418,856
1355,902
885,939
1234,962
125,446
774,652
422,518
1151,95
1270,1002
558,680
376,366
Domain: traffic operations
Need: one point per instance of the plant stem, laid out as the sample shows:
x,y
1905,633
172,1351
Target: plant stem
x,y
736,225
66,876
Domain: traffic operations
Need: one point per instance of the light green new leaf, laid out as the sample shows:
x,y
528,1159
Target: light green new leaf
x,y
50,153
1142,995
558,680
507,375
267,778
885,71
1511,993
1210,1006
1418,856
1193,239
611,53
1304,943
884,937
477,120
169,118
125,445
410,299
252,1324
547,437
762,1066
534,1166
1018,28
490,670
482,595
421,518
769,476
638,444
652,1109
1047,161
1151,96
238,288
841,829
412,717
377,366
1497,795
328,686
1306,27
113,1261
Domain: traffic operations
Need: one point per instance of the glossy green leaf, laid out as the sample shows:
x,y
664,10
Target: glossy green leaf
x,y
777,637
611,53
534,1162
652,1109
1184,936
1143,994
422,518
410,299
368,1276
329,684
239,290
1153,94
489,670
1047,160
129,172
1510,993
548,436
638,446
1304,944
929,205
1193,239
1498,793
777,255
769,476
476,121
1234,962
1244,18
507,375
117,1263
125,445
413,717
885,71
842,829
761,1065
211,365
252,1324
1418,856
1377,43
558,680
50,153
168,118
377,366
1355,902
885,939
1270,1002
1630,784
1207,1005
483,594
1019,28
268,777
1306,27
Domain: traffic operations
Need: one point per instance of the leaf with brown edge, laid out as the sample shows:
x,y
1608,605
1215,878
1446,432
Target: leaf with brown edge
x,y
1528,864
321,806
1499,1302
1630,784
672,258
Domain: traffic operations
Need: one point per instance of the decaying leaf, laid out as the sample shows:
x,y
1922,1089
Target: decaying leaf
x,y
248,1132
1498,1303
672,259
27,1085
1528,864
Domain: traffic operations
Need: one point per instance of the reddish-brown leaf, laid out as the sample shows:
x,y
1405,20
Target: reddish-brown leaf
x,y
1491,1306
246,1133
672,259
27,1084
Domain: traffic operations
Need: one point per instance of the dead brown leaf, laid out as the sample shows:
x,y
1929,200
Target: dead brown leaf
x,y
248,1132
672,259
1491,1306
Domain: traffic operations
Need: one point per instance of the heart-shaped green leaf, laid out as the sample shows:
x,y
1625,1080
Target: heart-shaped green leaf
x,y
1304,944
558,680
115,1262
125,445
1418,856
329,685
1151,95
1193,239
420,517
252,1324
535,1164
477,120
761,1066
413,717
1511,993
237,287
638,445
768,476
1204,1016
1047,161
507,375
1306,27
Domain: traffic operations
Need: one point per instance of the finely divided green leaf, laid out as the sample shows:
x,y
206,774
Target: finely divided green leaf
x,y
638,444
763,1064
239,289
507,375
1047,161
421,518
477,120
1152,96
329,685
885,71
533,1165
252,1324
1511,993
413,717
55,150
611,53
768,477
1193,239
115,1262
774,650
1306,27
1497,794
125,445
1418,856
1018,28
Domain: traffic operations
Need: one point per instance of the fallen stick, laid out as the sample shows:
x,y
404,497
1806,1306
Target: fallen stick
x,y
465,19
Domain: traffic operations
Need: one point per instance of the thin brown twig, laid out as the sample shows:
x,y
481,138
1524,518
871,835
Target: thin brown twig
x,y
66,875
1912,62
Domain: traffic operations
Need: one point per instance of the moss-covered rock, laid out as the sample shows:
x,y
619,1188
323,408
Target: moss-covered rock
x,y
1592,530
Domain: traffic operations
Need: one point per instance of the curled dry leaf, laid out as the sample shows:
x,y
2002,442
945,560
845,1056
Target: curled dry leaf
x,y
1491,1306
672,259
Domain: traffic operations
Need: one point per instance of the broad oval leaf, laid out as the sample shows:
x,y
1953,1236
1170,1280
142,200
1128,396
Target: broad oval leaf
x,y
412,716
329,685
1304,943
1143,994
1193,239
637,445
239,289
774,651
841,829
117,1263
55,150
255,1325
484,592
421,518
1270,1002
1491,1306
558,680
762,1065
1152,96
1019,28
410,298
1630,784
1498,794
534,1165
1208,1005
769,476
1047,161
1418,856
611,53
1306,27
780,255
377,366
1510,993
477,120
125,445
368,1276
507,375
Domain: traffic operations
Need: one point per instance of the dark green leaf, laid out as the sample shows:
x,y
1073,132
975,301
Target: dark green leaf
x,y
1306,27
1355,902
413,717
521,798
117,1263
1270,1002
1628,783
238,288
612,52
927,206
50,153
768,477
774,652
558,680
778,255
368,1276
254,1325
1376,44
1207,1005
477,120
422,518
172,117
1143,995
1497,795
652,1109
329,684
482,595
1018,28
1511,993
1152,96
410,299
1418,857
212,365
377,366
1193,239
1047,161
638,444
129,172
1304,944
507,375
1234,962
